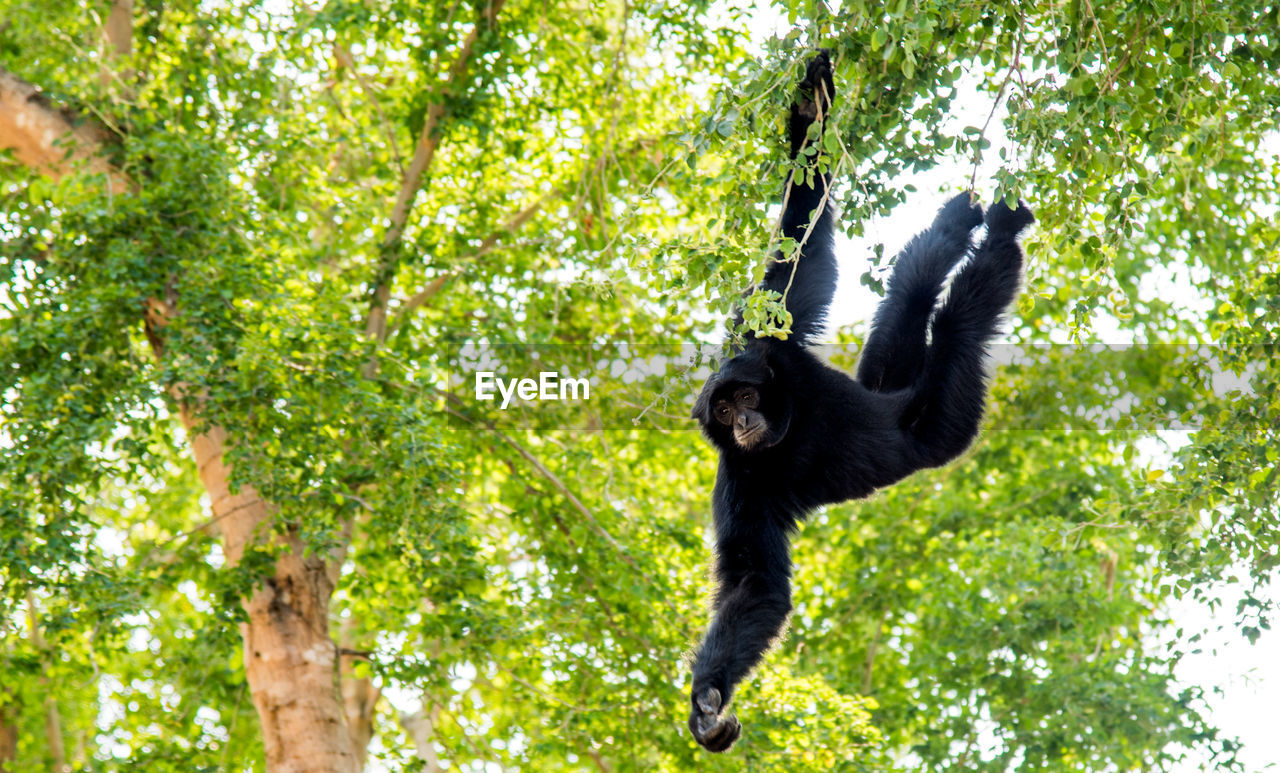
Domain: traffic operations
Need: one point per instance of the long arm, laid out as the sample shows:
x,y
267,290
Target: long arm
x,y
894,355
808,279
753,569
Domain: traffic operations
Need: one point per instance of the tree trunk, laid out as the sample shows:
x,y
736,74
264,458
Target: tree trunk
x,y
117,35
421,727
359,695
290,658
10,713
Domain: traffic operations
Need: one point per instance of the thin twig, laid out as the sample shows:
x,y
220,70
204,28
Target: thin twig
x,y
204,526
550,476
1129,47
872,648
1106,57
486,246
1014,66
411,182
491,241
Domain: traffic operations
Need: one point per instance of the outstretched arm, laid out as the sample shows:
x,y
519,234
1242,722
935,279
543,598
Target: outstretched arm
x,y
895,351
808,279
753,568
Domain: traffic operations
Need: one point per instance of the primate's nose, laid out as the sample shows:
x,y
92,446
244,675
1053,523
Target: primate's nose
x,y
740,421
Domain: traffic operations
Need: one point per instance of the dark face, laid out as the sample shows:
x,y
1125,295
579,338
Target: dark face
x,y
738,409
743,408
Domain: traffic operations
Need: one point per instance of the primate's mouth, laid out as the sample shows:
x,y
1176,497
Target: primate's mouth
x,y
749,437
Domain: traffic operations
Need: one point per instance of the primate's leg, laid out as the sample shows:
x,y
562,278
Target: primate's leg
x,y
953,387
894,354
753,567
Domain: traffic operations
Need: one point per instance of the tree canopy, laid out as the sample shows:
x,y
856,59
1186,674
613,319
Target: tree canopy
x,y
251,253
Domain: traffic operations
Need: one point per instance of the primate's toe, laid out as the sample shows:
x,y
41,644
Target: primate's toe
x,y
1002,219
710,729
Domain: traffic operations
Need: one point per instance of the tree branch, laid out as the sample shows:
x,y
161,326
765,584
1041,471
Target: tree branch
x,y
118,35
547,474
10,711
427,293
514,224
1015,66
411,182
421,725
487,245
51,141
52,718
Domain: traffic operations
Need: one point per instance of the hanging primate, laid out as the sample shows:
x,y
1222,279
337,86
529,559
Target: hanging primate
x,y
794,433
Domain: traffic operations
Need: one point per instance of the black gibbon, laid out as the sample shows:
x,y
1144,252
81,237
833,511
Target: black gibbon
x,y
794,433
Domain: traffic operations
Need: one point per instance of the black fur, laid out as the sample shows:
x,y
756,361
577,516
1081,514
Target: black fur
x,y
917,402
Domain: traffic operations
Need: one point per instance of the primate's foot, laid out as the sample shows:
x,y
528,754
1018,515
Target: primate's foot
x,y
960,214
1002,220
713,730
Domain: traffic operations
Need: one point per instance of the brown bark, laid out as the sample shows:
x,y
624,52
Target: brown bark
x,y
290,658
46,139
118,34
421,726
9,711
359,696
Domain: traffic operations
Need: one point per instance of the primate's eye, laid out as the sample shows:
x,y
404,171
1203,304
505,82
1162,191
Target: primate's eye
x,y
724,414
748,398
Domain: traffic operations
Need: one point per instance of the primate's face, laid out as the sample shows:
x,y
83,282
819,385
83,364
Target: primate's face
x,y
742,408
739,409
